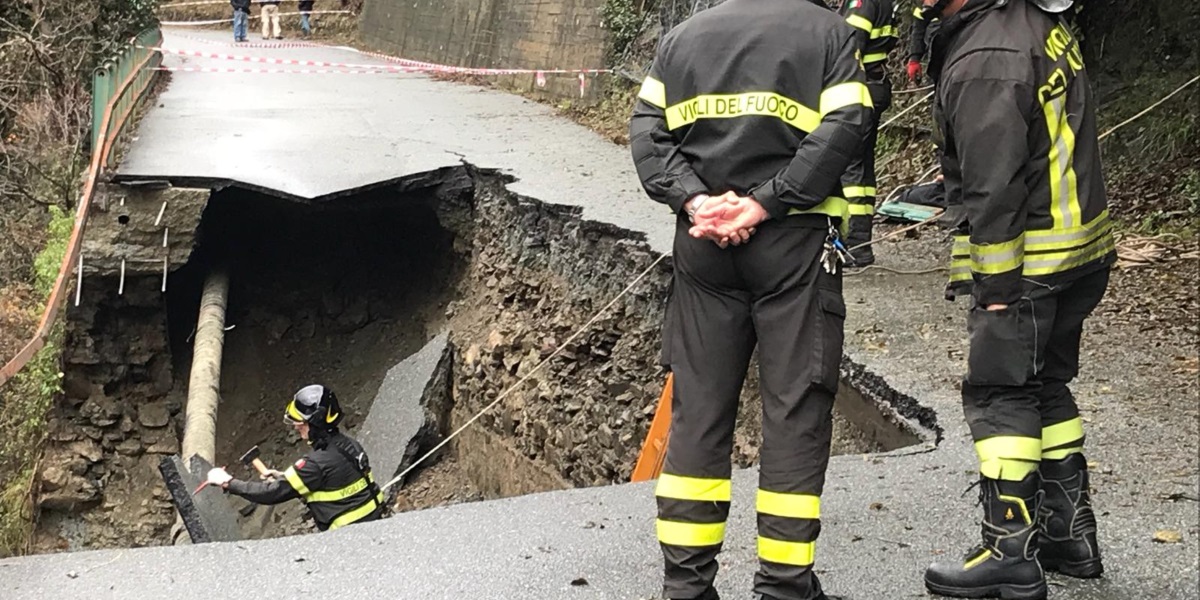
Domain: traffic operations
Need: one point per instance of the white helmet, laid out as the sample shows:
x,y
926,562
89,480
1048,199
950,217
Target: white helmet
x,y
1054,6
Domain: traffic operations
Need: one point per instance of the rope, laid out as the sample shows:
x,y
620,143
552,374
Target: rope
x,y
1148,108
579,332
919,102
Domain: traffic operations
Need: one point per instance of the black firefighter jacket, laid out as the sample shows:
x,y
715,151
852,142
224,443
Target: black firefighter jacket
x,y
1021,154
758,97
334,479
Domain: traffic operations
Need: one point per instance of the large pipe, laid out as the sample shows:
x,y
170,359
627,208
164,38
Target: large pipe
x,y
204,383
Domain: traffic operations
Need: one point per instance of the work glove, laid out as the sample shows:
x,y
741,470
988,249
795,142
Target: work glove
x,y
219,477
914,70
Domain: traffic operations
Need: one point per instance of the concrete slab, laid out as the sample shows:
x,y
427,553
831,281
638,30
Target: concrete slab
x,y
413,399
208,515
313,136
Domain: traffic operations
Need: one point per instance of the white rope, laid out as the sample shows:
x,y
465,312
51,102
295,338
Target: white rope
x,y
919,102
1148,108
528,375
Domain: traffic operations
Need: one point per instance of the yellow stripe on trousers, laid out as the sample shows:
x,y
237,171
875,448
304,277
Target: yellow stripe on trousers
x,y
799,554
677,533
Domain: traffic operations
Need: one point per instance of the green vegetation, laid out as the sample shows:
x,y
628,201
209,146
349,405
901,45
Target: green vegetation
x,y
24,403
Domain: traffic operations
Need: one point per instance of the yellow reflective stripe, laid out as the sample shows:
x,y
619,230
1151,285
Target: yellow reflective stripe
x,y
358,513
961,247
1061,453
693,488
675,533
858,191
727,106
1061,434
800,554
1009,446
1057,262
1019,502
859,210
293,412
1007,469
978,560
794,506
960,273
885,31
918,13
843,95
832,206
1001,257
297,484
860,22
1065,239
337,495
654,92
875,57
1064,193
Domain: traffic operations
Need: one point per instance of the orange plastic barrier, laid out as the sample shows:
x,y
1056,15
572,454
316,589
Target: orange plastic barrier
x,y
654,449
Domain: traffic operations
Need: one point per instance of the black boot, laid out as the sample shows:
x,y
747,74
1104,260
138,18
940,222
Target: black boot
x,y
1068,537
1005,565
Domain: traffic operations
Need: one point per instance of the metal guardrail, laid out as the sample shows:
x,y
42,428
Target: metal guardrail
x,y
118,86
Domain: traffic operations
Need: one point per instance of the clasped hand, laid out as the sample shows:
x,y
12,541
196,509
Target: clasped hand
x,y
727,219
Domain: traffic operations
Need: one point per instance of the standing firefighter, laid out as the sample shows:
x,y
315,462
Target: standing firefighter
x,y
1022,157
874,23
918,42
751,114
334,479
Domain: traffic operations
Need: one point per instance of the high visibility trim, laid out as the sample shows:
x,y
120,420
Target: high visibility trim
x,y
1001,257
885,31
794,506
293,413
800,554
1060,453
293,478
340,494
978,560
654,92
860,22
1062,434
357,514
1008,457
693,488
1060,239
861,210
960,273
1019,502
1009,447
858,191
832,206
875,57
1046,264
728,106
843,95
918,13
676,533
1064,194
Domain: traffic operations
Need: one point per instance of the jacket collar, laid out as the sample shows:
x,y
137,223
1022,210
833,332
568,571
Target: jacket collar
x,y
953,26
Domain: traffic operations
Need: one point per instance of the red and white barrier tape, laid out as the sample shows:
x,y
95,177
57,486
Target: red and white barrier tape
x,y
287,71
403,64
250,44
220,21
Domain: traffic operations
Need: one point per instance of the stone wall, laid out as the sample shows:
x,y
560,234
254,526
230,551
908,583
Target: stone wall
x,y
525,34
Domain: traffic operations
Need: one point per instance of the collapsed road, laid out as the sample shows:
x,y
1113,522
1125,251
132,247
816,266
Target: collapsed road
x,y
885,513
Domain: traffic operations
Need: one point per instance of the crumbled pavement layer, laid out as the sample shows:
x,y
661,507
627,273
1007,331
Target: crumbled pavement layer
x,y
410,411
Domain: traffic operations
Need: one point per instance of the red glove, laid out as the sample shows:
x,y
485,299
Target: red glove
x,y
914,70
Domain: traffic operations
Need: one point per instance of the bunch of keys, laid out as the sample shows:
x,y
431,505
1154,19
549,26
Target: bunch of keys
x,y
834,253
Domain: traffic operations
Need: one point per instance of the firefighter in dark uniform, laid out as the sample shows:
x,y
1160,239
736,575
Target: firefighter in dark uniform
x,y
1022,157
751,113
334,479
874,23
918,42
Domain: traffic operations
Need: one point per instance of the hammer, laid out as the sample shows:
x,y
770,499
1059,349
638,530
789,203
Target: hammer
x,y
251,459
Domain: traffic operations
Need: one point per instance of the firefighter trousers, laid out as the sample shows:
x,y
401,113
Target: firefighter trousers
x,y
859,183
1016,396
772,292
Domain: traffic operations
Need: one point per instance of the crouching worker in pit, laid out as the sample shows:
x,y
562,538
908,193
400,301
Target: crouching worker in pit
x,y
334,479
